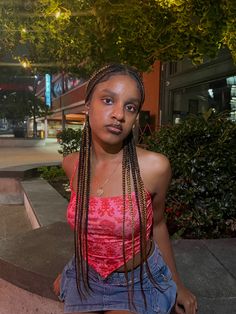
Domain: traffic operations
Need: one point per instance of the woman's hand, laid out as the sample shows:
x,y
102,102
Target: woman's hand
x,y
186,302
56,285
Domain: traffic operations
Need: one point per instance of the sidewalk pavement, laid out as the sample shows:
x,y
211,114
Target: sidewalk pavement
x,y
24,156
207,267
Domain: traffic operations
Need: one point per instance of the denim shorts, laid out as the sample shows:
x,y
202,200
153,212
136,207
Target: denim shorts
x,y
111,293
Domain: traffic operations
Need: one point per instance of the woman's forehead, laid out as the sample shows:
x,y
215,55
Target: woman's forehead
x,y
113,78
119,81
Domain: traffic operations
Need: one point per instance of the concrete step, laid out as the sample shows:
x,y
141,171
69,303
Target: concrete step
x,y
33,259
14,221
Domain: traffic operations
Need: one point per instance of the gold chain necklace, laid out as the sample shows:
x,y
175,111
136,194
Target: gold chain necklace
x,y
100,189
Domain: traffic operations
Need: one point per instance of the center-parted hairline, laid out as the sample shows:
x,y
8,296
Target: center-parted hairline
x,y
106,75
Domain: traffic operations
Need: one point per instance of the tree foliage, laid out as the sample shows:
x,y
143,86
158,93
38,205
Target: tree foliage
x,y
80,35
17,95
18,105
7,25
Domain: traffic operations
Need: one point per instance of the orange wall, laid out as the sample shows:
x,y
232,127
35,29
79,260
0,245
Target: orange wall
x,y
152,88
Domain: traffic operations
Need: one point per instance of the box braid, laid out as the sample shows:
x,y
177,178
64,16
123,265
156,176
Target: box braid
x,y
130,173
82,208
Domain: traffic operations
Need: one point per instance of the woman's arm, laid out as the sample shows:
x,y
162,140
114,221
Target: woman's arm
x,y
160,178
70,164
186,302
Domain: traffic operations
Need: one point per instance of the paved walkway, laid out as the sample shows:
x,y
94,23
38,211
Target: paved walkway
x,y
208,267
18,156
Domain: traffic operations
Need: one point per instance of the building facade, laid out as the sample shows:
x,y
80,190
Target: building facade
x,y
188,89
173,91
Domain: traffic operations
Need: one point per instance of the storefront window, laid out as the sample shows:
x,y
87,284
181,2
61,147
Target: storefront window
x,y
231,82
219,95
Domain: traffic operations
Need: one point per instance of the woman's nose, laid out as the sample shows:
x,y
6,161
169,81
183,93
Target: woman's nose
x,y
118,112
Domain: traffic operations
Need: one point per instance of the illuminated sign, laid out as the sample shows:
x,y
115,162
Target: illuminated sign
x,y
48,98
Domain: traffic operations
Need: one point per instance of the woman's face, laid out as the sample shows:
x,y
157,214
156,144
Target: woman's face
x,y
113,109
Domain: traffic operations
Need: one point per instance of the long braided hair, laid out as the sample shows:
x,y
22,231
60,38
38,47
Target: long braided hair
x,y
130,175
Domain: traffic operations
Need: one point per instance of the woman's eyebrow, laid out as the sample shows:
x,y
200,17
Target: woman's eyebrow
x,y
132,100
105,90
135,101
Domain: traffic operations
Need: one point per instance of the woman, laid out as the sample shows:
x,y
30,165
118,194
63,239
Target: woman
x,y
122,246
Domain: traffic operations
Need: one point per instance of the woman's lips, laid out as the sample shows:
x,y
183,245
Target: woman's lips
x,y
114,128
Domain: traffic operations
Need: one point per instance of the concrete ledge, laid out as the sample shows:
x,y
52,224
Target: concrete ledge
x,y
14,300
47,204
32,260
21,142
10,191
24,171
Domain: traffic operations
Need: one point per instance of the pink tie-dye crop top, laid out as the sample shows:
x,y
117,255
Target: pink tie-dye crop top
x,y
105,225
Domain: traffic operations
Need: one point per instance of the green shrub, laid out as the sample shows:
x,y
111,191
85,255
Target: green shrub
x,y
70,140
202,195
57,178
51,173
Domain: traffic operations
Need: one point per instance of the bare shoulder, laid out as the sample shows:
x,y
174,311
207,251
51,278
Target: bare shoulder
x,y
69,163
155,169
152,161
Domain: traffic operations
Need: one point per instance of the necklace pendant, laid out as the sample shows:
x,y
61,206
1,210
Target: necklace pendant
x,y
99,191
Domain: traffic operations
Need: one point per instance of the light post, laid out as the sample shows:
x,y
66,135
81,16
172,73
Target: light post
x,y
34,107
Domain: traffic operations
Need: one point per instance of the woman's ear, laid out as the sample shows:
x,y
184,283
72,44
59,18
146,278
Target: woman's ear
x,y
87,107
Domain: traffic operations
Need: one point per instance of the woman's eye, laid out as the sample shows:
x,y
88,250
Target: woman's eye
x,y
131,107
107,101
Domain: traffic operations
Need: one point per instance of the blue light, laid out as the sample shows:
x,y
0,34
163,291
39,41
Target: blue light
x,y
48,99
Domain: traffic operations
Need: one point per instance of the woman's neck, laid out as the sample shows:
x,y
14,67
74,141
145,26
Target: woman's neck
x,y
106,154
